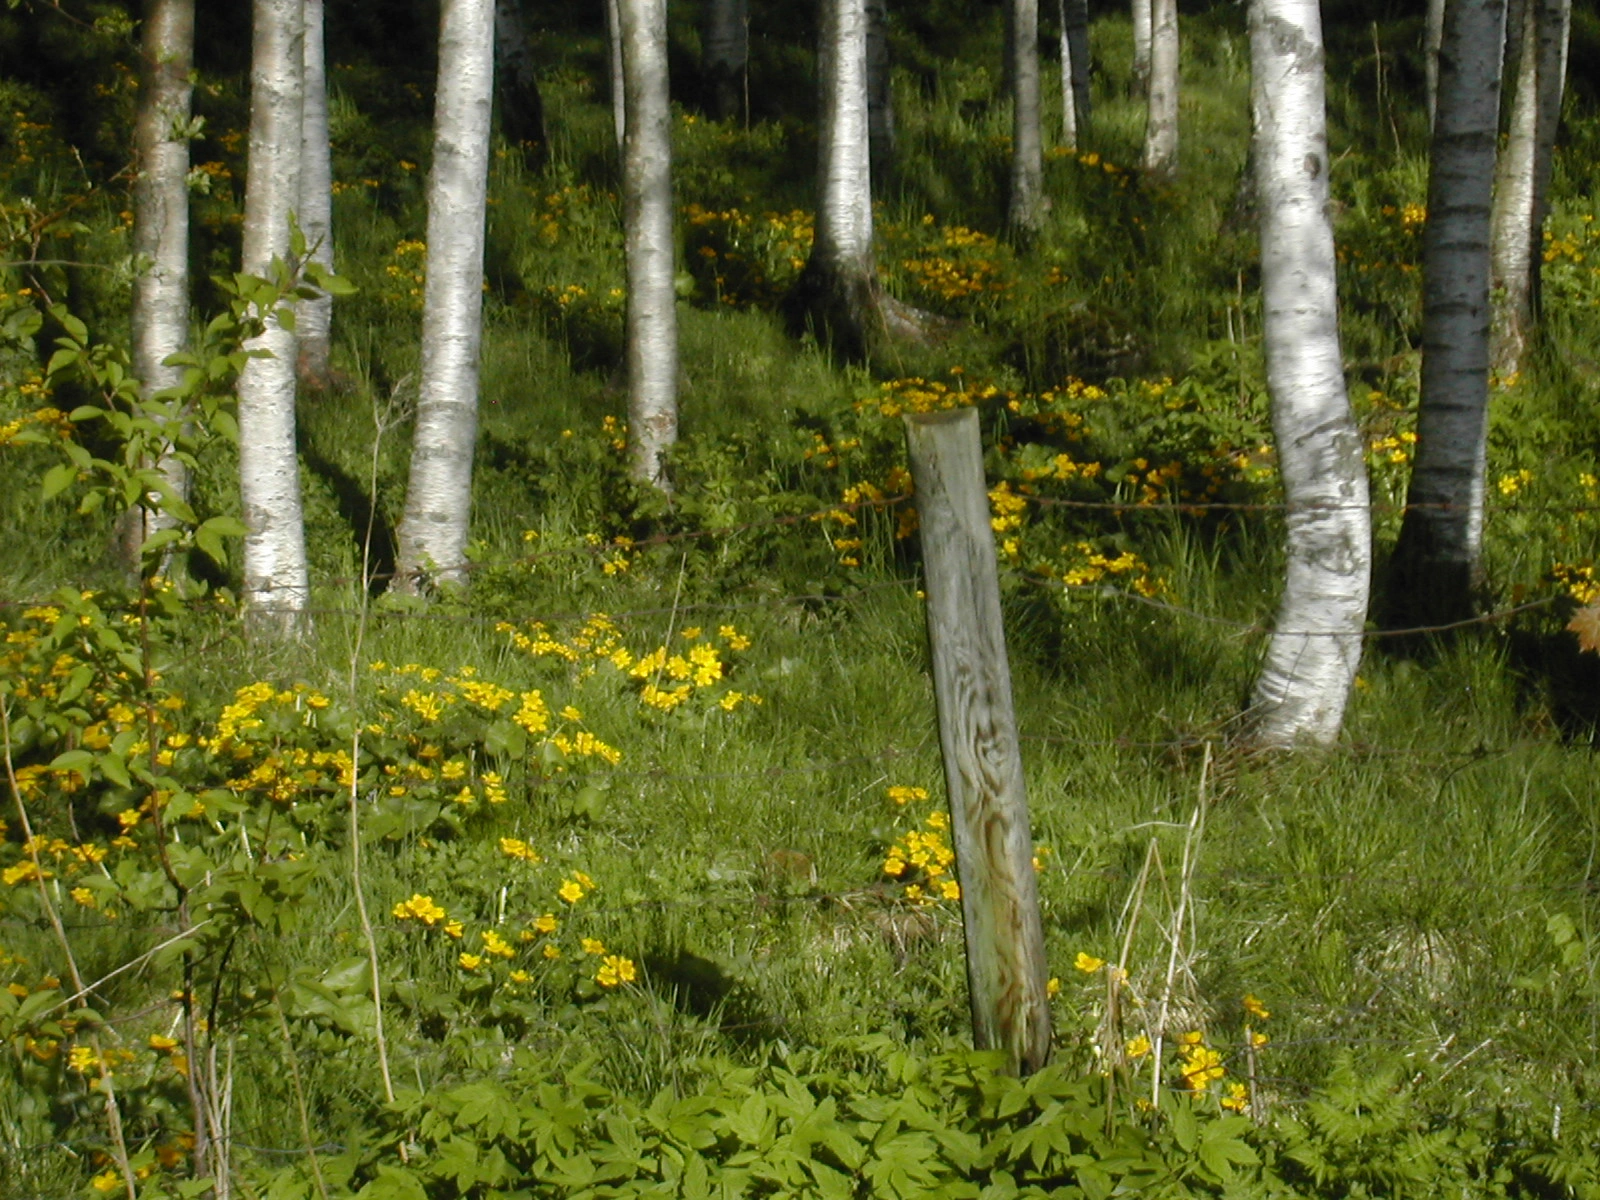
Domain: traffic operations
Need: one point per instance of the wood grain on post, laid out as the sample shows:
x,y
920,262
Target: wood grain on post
x,y
1006,970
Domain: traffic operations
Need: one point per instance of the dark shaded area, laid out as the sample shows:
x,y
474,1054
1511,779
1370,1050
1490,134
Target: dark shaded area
x,y
701,988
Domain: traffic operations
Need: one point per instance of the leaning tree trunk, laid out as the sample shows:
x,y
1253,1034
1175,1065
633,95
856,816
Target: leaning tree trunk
x,y
1315,649
1142,23
652,318
1434,574
160,315
880,93
433,531
1522,179
314,316
619,110
726,38
277,587
1025,214
517,86
1161,123
838,296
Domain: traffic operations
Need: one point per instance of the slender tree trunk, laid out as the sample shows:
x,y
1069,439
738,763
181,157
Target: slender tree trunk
x,y
160,315
1026,211
652,319
1161,124
1142,29
1315,649
880,92
314,316
1435,571
1075,28
1069,96
838,295
517,86
619,110
1522,179
277,586
1432,32
726,39
433,531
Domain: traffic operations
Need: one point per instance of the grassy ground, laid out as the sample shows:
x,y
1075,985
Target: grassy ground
x,y
1420,897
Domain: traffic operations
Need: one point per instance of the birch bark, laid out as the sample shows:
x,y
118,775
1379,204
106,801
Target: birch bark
x,y
1141,14
1315,649
1432,33
160,314
1435,570
652,315
619,111
1161,123
433,531
726,38
276,587
314,316
1522,179
1069,98
1025,213
838,296
1075,29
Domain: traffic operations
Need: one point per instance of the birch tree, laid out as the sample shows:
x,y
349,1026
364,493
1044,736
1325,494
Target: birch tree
x,y
1025,213
276,582
619,111
1075,61
432,534
1522,178
652,315
725,38
838,294
517,86
1435,570
1141,16
314,315
1161,121
1432,33
1315,648
160,314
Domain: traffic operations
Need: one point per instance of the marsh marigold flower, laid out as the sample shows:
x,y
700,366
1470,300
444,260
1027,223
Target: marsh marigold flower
x,y
1088,963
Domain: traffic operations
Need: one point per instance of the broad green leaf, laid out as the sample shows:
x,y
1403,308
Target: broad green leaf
x,y
58,479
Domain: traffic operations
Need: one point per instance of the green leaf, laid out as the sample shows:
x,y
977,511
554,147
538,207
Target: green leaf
x,y
1184,1126
78,761
114,769
58,479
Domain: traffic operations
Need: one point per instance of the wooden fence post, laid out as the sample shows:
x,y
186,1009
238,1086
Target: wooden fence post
x,y
1006,971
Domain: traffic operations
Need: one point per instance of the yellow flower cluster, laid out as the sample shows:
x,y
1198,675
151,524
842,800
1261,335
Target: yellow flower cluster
x,y
922,859
918,395
1396,449
39,425
1513,482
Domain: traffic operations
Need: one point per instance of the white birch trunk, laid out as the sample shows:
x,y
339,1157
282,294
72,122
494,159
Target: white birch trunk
x,y
843,240
1069,99
160,314
1142,23
1315,649
1522,179
433,531
619,110
727,55
276,582
314,317
1436,560
1026,211
652,316
1161,123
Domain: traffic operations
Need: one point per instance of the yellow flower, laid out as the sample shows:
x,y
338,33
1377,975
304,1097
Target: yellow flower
x,y
1238,1098
1138,1047
1053,988
547,923
453,929
519,977
615,969
419,908
517,848
469,962
83,1060
552,951
1088,963
107,1182
570,891
1255,1008
162,1045
494,944
1258,1039
593,946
